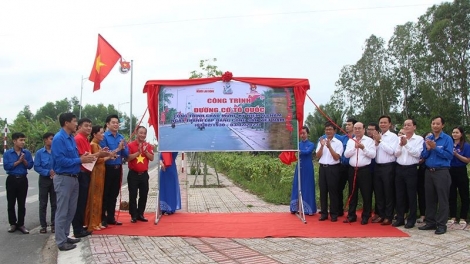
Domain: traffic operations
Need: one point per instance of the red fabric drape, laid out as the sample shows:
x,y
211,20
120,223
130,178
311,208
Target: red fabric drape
x,y
152,88
167,159
287,157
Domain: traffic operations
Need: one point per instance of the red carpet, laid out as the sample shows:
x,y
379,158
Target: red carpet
x,y
246,225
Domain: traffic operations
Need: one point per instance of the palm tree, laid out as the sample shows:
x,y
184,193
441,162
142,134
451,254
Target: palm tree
x,y
316,122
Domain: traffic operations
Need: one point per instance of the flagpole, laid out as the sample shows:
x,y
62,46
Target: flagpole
x,y
130,115
81,95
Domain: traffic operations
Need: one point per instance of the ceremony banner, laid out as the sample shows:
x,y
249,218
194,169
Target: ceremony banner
x,y
226,116
238,113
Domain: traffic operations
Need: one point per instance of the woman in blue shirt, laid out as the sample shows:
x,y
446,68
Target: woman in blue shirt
x,y
306,149
458,173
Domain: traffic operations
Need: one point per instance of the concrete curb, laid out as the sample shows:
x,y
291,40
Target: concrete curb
x,y
83,253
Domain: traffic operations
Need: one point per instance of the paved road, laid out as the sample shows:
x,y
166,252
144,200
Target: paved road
x,y
212,138
17,247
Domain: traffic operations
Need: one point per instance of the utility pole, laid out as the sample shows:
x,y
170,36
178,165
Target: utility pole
x,y
130,113
81,95
6,131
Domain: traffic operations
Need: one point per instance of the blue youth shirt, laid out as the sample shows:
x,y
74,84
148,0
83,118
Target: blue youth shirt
x,y
10,157
64,151
344,139
442,154
455,162
43,162
112,142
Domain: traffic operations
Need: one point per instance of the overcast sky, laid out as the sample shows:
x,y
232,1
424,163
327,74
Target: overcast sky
x,y
46,46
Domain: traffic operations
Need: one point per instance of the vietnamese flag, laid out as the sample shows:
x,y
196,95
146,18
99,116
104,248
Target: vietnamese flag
x,y
106,58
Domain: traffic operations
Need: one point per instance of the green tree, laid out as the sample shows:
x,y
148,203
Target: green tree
x,y
164,99
32,129
46,120
54,109
207,69
26,113
98,113
401,49
316,121
445,32
422,72
367,85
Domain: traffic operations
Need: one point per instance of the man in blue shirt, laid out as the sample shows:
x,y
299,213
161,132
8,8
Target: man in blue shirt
x,y
66,165
43,166
112,184
438,152
16,162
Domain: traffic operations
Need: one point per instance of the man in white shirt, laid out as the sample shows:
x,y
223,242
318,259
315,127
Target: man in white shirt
x,y
360,151
329,151
408,153
384,175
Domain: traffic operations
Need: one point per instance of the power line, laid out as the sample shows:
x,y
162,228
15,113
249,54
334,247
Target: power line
x,y
252,15
268,14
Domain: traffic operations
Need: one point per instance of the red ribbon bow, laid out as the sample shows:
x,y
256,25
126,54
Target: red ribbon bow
x,y
227,76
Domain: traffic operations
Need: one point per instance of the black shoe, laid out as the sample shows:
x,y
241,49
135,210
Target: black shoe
x,y
398,223
386,222
104,223
334,219
73,240
84,233
133,220
115,223
142,218
441,230
23,230
364,221
12,229
323,218
67,246
427,227
377,220
350,220
409,225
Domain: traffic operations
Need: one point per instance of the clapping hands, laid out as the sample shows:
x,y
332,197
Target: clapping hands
x,y
87,158
403,141
430,144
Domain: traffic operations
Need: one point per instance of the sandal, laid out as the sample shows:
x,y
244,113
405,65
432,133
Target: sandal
x,y
97,228
43,230
450,222
462,222
52,229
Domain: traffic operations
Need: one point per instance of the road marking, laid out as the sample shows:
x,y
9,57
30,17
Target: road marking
x,y
32,198
29,199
